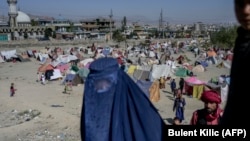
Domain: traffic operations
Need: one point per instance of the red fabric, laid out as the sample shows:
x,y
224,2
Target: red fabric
x,y
211,96
119,60
188,89
213,118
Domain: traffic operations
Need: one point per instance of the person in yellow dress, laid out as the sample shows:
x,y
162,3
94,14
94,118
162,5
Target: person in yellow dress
x,y
162,82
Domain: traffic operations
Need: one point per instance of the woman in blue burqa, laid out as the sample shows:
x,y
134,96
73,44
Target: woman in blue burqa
x,y
115,108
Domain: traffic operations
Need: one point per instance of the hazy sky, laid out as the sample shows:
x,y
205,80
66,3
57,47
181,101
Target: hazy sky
x,y
174,11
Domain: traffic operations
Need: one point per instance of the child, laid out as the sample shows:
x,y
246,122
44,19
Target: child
x,y
179,106
38,77
162,82
173,85
70,85
176,121
43,78
65,87
12,90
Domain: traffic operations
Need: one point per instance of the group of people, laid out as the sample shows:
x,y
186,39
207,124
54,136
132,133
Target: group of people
x,y
121,111
113,102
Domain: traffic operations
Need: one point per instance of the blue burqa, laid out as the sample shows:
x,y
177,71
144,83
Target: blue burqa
x,y
115,108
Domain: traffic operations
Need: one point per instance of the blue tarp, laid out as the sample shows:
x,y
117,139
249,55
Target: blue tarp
x,y
69,77
204,64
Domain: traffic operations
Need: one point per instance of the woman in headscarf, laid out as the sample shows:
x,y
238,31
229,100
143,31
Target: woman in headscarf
x,y
211,113
115,108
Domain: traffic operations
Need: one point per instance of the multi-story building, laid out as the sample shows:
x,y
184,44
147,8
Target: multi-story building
x,y
99,24
98,28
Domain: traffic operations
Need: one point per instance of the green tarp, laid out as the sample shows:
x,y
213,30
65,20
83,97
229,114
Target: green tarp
x,y
182,72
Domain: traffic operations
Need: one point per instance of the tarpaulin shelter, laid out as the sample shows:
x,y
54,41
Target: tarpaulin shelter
x,y
74,68
48,74
86,62
22,58
45,67
1,59
75,78
30,53
9,54
160,70
198,68
66,58
131,69
63,67
194,87
83,72
182,72
142,72
56,74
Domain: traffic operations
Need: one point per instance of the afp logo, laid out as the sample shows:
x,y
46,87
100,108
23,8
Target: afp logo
x,y
234,133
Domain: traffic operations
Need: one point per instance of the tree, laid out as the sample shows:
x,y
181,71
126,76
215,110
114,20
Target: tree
x,y
48,32
117,36
124,23
71,27
225,37
54,35
25,35
34,23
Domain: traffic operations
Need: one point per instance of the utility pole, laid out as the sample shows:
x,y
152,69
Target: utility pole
x,y
110,23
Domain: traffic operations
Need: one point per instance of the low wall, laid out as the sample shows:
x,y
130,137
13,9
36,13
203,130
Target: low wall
x,y
36,43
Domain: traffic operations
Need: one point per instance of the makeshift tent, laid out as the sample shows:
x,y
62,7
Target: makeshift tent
x,y
45,67
1,59
56,74
48,74
63,67
202,62
75,78
86,61
198,68
30,53
9,54
182,72
74,68
22,58
131,69
194,87
41,57
142,73
83,72
55,63
66,58
160,70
